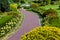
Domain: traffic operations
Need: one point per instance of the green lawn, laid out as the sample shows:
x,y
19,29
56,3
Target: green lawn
x,y
50,6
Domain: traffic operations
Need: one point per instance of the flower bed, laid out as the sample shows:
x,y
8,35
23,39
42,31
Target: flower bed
x,y
9,24
43,33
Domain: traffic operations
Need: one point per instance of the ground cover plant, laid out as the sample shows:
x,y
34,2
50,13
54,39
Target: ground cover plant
x,y
51,18
8,22
42,33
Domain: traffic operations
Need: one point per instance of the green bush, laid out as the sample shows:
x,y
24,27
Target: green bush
x,y
34,5
51,18
43,33
14,13
55,22
5,19
8,26
13,6
50,12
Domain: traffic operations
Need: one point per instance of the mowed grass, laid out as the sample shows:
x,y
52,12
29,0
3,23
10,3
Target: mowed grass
x,y
50,6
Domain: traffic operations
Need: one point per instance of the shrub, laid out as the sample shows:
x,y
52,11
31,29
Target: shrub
x,y
4,5
13,6
55,22
51,18
5,19
14,13
34,5
50,12
43,33
4,30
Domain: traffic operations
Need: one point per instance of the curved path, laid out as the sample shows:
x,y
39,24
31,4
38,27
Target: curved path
x,y
30,21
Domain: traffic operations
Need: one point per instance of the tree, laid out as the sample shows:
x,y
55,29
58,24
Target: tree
x,y
4,5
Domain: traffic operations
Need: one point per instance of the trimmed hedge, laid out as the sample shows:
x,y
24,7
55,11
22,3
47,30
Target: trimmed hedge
x,y
43,33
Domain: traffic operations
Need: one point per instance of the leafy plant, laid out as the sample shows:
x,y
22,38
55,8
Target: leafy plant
x,y
55,22
5,19
43,33
14,13
51,18
50,12
13,6
34,5
8,22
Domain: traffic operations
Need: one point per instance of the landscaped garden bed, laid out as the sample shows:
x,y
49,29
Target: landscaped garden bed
x,y
9,23
47,10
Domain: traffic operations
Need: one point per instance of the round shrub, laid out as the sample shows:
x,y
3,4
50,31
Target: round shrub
x,y
43,33
50,12
34,5
13,6
4,5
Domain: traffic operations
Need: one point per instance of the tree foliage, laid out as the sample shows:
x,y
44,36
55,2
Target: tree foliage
x,y
4,5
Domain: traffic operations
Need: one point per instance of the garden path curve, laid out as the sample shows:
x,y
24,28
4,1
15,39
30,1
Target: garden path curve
x,y
31,20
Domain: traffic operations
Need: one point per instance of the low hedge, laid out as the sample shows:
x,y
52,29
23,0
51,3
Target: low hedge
x,y
43,33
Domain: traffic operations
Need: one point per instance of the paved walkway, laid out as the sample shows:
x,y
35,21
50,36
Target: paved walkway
x,y
30,21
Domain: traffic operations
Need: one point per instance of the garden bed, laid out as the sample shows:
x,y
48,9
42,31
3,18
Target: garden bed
x,y
10,22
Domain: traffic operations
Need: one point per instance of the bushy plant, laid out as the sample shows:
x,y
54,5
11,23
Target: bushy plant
x,y
7,27
5,19
43,33
50,12
13,6
8,22
34,5
14,13
55,22
50,17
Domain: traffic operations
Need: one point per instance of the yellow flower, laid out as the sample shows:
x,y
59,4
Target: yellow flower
x,y
42,33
